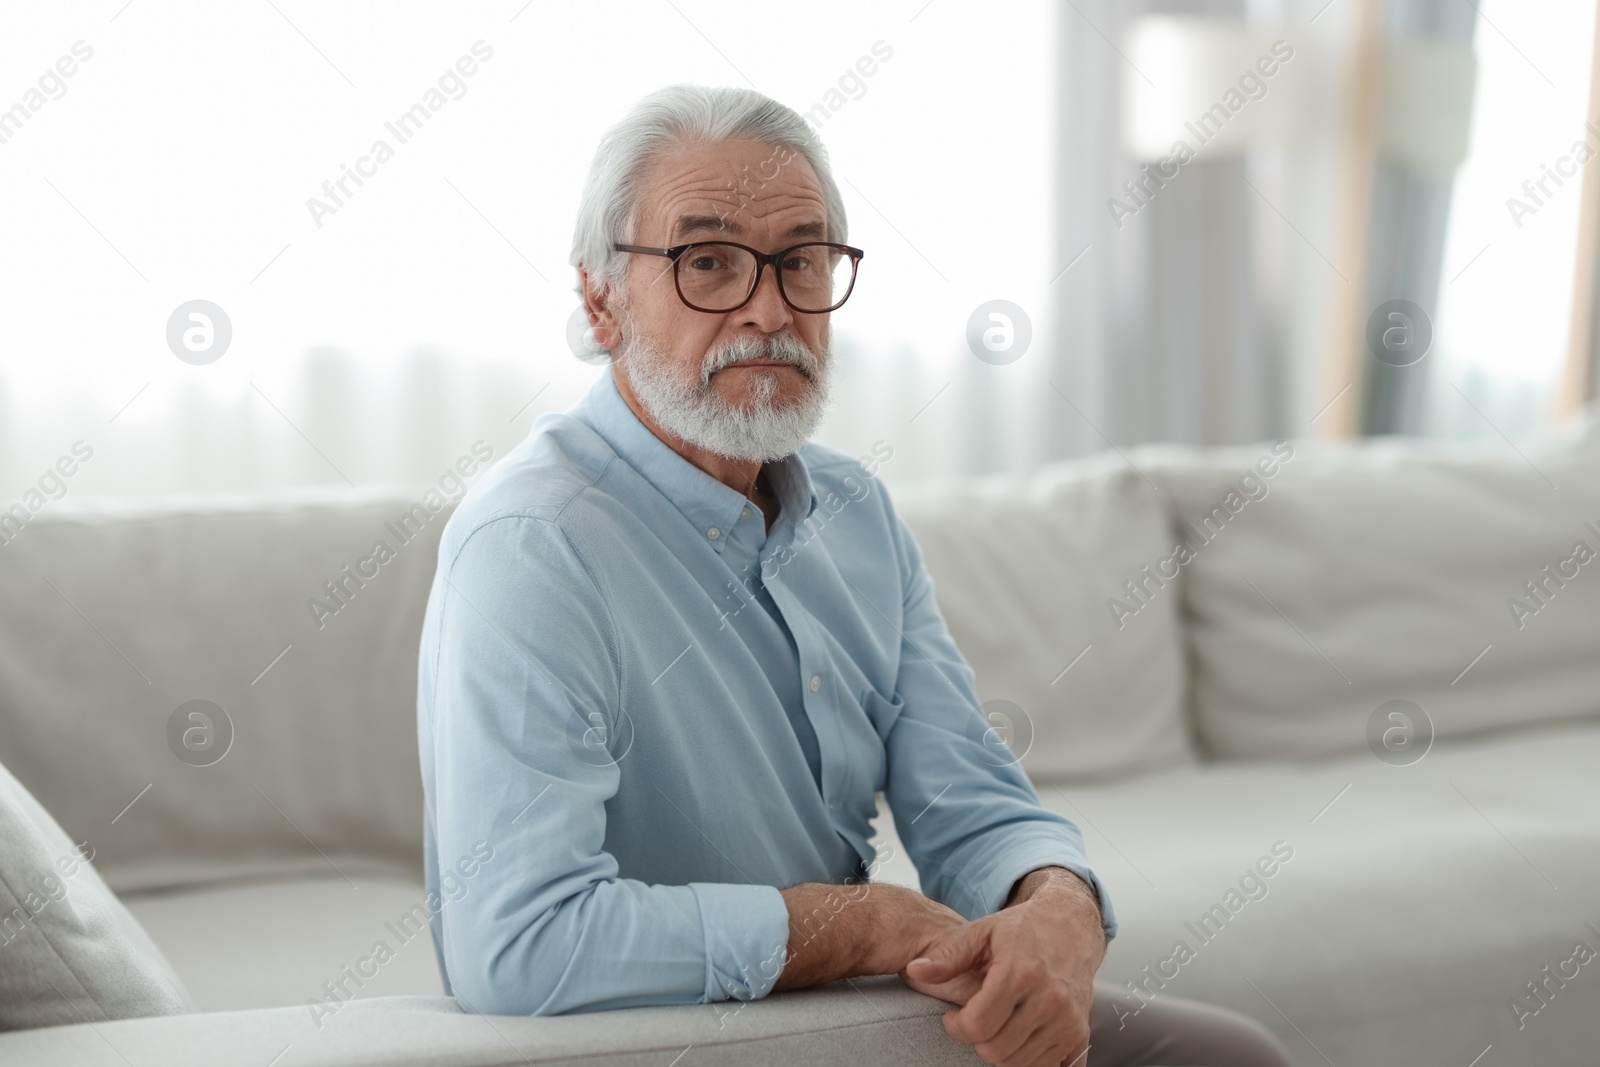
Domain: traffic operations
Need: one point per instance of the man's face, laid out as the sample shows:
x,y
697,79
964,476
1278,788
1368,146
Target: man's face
x,y
749,384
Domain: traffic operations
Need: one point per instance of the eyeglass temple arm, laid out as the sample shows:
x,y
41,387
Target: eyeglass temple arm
x,y
643,248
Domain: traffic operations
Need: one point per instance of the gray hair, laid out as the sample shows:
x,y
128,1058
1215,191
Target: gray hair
x,y
609,209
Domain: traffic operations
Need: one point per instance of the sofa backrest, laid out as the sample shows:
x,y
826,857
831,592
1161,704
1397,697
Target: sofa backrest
x,y
1347,578
115,617
1462,580
1024,570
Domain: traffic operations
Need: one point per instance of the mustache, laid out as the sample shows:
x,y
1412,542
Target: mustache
x,y
783,347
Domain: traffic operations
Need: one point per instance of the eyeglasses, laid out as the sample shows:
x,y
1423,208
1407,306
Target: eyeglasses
x,y
720,276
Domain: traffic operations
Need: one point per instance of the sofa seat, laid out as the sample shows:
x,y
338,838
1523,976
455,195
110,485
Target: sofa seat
x,y
273,943
1418,901
1331,956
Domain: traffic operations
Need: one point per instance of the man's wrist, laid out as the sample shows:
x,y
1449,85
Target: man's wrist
x,y
835,932
876,913
1053,878
883,928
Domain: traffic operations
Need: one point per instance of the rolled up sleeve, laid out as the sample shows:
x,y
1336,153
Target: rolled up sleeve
x,y
526,703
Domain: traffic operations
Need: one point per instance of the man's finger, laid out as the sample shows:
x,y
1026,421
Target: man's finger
x,y
957,990
990,1008
1020,1040
1035,1025
1047,1037
958,952
1065,1054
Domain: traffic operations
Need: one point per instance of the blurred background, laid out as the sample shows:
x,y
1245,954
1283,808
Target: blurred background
x,y
1048,273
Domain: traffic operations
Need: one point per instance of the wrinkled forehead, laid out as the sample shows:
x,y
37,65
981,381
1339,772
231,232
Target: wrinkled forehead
x,y
730,189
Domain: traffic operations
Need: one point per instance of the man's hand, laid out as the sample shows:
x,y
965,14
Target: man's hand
x,y
1024,975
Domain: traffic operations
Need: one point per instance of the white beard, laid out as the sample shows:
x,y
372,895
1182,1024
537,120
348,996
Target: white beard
x,y
687,407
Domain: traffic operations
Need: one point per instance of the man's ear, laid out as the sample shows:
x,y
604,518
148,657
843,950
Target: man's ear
x,y
602,320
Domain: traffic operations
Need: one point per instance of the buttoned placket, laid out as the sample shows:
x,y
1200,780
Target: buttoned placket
x,y
749,528
817,692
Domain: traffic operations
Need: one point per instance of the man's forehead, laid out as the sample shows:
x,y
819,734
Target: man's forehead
x,y
694,224
727,189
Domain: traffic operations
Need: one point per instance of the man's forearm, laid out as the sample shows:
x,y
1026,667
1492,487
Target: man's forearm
x,y
842,931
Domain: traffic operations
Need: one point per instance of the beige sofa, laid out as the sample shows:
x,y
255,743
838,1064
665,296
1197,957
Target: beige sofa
x,y
1378,882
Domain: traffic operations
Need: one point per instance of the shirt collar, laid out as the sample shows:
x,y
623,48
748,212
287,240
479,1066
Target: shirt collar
x,y
707,503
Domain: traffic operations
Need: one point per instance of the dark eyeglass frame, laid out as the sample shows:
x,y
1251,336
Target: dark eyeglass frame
x,y
675,253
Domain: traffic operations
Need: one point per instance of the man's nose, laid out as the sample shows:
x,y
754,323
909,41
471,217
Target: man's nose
x,y
766,310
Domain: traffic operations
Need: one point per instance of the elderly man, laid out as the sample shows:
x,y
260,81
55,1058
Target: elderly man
x,y
673,651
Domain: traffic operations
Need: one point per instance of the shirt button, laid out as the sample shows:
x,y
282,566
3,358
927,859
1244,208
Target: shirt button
x,y
744,514
816,682
830,805
713,533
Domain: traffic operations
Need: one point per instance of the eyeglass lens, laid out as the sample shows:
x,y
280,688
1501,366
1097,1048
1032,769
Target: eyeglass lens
x,y
718,277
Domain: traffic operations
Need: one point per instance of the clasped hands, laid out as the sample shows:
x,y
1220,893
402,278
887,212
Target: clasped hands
x,y
1023,977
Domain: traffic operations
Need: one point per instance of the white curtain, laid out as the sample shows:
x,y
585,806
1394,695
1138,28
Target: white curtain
x,y
976,148
1201,318
378,341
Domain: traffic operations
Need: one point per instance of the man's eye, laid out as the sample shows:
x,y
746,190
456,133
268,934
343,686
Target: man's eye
x,y
798,261
705,262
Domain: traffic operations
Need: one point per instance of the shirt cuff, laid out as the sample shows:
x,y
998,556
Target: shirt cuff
x,y
746,935
988,891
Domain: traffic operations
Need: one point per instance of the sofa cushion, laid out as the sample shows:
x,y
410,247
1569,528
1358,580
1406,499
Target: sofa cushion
x,y
120,617
1022,569
69,951
1416,904
1358,575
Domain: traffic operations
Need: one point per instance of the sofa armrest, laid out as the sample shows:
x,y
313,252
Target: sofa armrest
x,y
861,1020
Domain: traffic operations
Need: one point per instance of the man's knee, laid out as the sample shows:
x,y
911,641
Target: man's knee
x,y
1131,1031
1221,1037
1256,1045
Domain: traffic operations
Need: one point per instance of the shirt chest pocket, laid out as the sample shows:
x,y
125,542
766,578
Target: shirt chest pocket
x,y
881,711
857,720
865,721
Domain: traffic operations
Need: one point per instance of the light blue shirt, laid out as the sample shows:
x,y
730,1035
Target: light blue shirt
x,y
653,714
